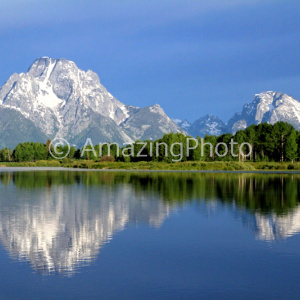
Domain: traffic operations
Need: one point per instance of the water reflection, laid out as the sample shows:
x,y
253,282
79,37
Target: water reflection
x,y
278,227
62,227
58,221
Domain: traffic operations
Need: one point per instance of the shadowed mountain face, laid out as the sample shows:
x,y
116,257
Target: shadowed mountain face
x,y
17,129
58,221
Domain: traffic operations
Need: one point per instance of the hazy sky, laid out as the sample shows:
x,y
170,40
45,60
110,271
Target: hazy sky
x,y
191,57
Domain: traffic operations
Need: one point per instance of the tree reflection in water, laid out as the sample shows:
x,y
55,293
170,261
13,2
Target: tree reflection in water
x,y
59,220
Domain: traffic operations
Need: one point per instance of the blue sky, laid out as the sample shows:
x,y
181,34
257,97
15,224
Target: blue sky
x,y
191,57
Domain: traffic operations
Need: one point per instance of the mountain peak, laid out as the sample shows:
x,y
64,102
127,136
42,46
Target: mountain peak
x,y
64,101
156,108
40,65
272,93
210,117
208,124
270,107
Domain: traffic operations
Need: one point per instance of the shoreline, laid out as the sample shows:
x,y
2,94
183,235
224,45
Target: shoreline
x,y
28,169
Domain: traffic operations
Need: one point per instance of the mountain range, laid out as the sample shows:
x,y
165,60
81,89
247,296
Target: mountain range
x,y
270,107
56,99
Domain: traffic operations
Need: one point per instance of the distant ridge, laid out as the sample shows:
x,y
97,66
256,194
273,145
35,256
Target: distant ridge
x,y
270,107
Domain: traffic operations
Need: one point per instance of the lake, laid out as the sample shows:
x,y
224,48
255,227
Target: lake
x,y
141,235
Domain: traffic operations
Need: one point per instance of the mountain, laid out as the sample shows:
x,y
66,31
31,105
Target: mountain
x,y
268,107
208,124
185,124
148,122
57,99
16,127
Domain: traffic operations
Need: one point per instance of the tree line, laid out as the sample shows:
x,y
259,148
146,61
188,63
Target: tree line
x,y
275,143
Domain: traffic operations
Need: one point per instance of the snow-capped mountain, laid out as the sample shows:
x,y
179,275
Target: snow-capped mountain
x,y
185,124
208,124
148,122
57,99
268,107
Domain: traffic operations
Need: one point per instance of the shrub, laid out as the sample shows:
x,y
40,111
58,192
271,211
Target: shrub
x,y
268,166
107,158
41,163
54,163
47,163
229,168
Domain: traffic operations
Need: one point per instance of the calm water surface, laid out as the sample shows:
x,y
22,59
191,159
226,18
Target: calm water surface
x,y
97,235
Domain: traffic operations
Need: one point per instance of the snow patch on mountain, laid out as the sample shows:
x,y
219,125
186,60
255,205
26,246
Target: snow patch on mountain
x,y
209,124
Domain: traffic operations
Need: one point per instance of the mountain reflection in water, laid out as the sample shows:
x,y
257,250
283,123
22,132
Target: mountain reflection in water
x,y
59,220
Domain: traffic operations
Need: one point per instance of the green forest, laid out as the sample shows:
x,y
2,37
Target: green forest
x,y
271,143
